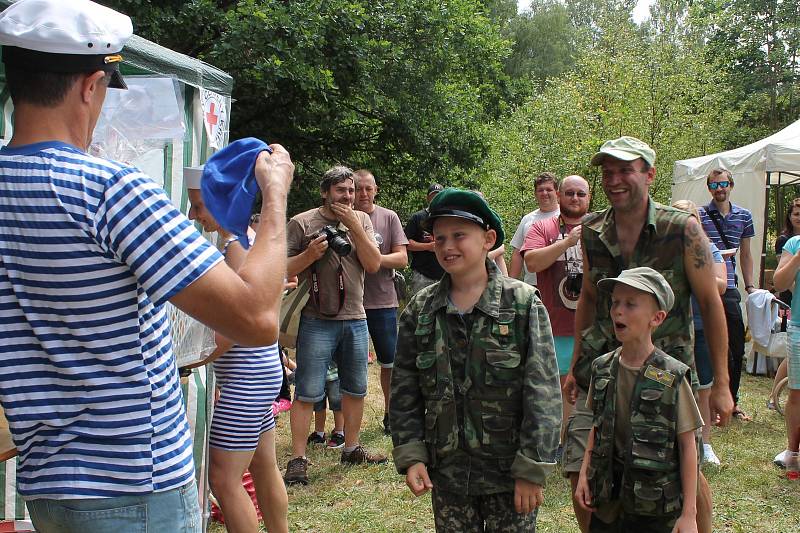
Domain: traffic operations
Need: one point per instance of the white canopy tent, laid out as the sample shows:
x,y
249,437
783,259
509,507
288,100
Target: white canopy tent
x,y
757,168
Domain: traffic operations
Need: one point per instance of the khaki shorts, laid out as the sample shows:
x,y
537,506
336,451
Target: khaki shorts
x,y
579,424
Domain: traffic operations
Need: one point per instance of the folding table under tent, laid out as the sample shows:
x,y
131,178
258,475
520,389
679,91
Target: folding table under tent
x,y
757,168
174,114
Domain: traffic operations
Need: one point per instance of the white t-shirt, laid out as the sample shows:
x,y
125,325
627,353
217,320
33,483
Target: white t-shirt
x,y
519,237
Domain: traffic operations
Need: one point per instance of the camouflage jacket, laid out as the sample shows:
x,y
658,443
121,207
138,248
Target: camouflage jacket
x,y
476,397
651,483
661,247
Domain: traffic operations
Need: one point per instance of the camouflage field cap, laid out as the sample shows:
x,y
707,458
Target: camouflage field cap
x,y
625,148
468,205
645,279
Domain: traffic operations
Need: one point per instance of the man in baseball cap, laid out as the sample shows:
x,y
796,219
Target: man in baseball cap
x,y
98,250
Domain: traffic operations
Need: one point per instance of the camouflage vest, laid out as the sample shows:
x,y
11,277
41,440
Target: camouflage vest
x,y
661,247
485,404
651,482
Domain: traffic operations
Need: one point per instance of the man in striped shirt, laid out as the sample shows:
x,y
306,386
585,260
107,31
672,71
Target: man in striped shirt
x,y
730,227
90,251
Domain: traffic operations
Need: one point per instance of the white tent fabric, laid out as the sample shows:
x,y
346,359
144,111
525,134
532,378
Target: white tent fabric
x,y
750,165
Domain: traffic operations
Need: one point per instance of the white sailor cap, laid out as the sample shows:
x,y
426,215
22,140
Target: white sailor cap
x,y
64,36
192,176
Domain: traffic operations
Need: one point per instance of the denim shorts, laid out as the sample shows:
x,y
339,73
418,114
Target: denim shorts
x,y
793,368
175,510
318,342
333,396
702,360
382,324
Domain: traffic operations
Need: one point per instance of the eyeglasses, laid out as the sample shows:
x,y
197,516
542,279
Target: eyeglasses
x,y
579,194
717,184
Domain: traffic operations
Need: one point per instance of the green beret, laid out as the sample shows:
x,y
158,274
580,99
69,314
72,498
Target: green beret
x,y
468,205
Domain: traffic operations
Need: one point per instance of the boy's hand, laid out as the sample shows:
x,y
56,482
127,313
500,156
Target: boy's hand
x,y
685,524
417,479
570,388
527,496
583,494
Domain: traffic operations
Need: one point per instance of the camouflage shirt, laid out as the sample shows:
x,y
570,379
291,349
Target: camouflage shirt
x,y
476,396
661,247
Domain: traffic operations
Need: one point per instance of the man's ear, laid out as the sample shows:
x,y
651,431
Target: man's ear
x,y
90,84
651,175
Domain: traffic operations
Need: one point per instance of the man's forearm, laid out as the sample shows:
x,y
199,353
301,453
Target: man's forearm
x,y
368,253
539,259
515,269
298,263
394,260
714,320
747,269
415,246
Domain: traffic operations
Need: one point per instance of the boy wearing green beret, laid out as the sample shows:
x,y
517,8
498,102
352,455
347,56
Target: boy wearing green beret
x,y
475,405
639,471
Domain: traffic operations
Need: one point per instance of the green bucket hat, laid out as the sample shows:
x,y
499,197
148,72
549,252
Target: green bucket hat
x,y
625,148
645,279
468,205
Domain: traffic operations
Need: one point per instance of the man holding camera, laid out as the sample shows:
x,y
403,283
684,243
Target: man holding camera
x,y
552,250
332,246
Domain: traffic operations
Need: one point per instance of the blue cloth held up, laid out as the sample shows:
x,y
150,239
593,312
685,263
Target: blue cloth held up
x,y
229,185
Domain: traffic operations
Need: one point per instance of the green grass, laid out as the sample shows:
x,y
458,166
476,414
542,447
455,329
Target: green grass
x,y
750,494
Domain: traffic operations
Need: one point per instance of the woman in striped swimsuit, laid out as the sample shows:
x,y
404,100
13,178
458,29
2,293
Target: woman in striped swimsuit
x,y
242,432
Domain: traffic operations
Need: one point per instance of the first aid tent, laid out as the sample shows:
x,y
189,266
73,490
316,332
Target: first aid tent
x,y
175,114
757,168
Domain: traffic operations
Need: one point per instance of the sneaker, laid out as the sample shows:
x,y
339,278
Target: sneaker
x,y
315,439
780,459
387,428
709,456
336,441
296,471
360,456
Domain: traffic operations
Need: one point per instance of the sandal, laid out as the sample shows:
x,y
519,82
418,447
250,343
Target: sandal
x,y
741,415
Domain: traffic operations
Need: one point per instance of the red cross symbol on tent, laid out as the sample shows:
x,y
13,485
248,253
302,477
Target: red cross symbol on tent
x,y
211,116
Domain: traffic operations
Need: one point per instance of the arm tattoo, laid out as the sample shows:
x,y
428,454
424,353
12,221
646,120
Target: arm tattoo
x,y
696,246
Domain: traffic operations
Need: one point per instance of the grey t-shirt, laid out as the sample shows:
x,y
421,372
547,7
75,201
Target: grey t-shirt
x,y
300,231
379,290
519,237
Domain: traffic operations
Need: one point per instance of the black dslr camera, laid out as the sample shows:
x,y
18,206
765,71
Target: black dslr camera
x,y
573,284
337,240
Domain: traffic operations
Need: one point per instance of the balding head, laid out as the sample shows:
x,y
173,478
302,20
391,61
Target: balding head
x,y
573,197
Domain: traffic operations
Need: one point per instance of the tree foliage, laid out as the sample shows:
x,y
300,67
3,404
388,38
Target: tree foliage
x,y
404,87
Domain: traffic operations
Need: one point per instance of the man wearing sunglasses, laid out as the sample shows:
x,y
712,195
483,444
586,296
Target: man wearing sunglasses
x,y
552,250
730,227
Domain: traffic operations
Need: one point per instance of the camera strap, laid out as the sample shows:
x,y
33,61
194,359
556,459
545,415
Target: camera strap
x,y
315,294
715,217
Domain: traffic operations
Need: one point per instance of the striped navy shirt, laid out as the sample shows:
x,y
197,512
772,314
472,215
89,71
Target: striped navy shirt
x,y
737,225
90,250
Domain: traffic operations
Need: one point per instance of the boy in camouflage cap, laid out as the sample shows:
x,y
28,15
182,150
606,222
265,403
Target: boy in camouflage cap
x,y
640,467
475,405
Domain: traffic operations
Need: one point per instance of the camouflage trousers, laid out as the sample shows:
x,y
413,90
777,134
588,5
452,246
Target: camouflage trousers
x,y
492,513
627,522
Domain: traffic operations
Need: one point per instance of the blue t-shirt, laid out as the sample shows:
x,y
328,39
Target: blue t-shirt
x,y
696,317
90,250
737,225
791,247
